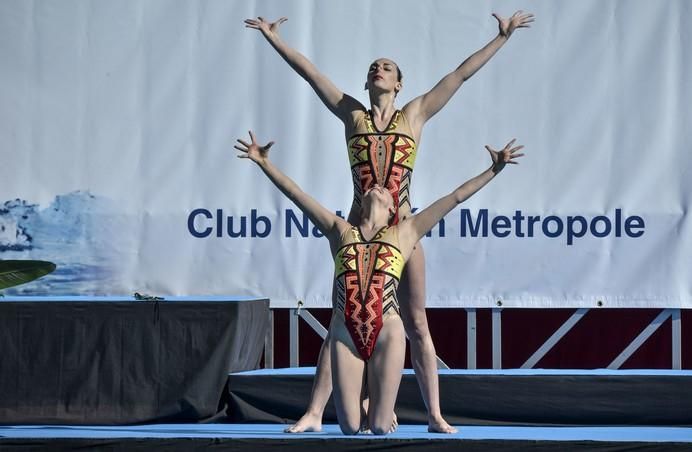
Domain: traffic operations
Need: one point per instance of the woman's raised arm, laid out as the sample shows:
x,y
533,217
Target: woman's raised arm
x,y
342,105
325,220
413,228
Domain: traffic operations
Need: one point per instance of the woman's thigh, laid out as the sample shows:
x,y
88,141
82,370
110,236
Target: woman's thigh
x,y
411,292
348,373
384,373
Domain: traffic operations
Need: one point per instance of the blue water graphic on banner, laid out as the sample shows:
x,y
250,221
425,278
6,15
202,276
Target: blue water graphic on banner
x,y
72,232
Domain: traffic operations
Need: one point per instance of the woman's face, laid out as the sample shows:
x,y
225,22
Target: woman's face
x,y
383,75
379,197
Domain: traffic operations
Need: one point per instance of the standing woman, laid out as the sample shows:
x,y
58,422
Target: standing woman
x,y
382,144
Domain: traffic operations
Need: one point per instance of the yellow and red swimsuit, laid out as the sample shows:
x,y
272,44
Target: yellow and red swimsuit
x,y
366,276
382,157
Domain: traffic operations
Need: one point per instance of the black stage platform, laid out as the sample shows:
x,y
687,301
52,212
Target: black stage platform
x,y
93,361
491,397
501,410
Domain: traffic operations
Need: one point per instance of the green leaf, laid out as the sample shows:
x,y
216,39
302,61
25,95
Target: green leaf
x,y
14,273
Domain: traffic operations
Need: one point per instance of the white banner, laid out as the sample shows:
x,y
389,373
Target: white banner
x,y
117,121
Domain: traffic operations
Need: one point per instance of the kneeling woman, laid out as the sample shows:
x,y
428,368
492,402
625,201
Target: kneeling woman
x,y
368,336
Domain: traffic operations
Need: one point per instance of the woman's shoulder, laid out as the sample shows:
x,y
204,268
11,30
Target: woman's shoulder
x,y
357,121
359,114
346,232
403,123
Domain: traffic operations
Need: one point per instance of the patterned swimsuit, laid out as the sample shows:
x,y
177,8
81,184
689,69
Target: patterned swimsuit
x,y
382,157
366,276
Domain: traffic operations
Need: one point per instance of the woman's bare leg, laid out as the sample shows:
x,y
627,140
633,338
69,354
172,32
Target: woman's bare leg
x,y
348,373
412,302
321,390
384,375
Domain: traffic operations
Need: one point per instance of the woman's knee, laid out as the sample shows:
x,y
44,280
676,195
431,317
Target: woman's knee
x,y
380,428
349,427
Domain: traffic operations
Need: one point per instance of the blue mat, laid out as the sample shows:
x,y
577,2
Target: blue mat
x,y
274,431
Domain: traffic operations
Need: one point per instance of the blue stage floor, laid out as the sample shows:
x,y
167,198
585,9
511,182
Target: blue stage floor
x,y
275,431
510,372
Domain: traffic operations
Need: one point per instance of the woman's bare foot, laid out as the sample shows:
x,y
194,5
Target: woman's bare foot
x,y
308,423
439,425
395,423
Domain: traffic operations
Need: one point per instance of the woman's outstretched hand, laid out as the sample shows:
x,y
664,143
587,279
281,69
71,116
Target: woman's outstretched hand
x,y
504,156
518,20
268,29
253,151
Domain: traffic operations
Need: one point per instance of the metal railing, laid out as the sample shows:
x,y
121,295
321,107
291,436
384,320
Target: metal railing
x,y
295,314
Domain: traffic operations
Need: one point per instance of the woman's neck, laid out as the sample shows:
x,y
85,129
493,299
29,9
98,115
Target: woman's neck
x,y
372,220
382,105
